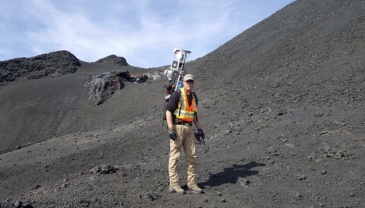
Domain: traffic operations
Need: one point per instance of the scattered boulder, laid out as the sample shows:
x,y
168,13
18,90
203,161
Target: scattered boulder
x,y
20,204
243,182
104,169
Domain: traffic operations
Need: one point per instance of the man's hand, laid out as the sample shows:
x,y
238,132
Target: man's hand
x,y
201,133
199,136
172,133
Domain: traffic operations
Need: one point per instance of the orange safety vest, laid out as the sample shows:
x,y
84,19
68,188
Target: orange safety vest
x,y
184,111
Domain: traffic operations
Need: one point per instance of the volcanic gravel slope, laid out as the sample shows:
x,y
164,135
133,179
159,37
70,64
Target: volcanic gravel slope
x,y
281,105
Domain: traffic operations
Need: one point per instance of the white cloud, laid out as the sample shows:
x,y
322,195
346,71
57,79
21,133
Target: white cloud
x,y
144,32
3,51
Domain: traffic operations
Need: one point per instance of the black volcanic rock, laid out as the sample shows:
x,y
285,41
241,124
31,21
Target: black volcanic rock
x,y
113,59
52,64
101,87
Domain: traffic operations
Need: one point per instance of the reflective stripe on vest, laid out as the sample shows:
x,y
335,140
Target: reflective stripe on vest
x,y
184,111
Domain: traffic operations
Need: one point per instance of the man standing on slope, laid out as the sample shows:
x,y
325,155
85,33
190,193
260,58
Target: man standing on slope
x,y
181,112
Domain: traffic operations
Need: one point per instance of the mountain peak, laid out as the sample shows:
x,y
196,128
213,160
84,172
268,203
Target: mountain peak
x,y
114,59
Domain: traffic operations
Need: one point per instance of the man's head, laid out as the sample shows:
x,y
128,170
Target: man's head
x,y
188,82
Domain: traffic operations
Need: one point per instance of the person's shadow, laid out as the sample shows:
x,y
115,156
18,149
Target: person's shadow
x,y
231,174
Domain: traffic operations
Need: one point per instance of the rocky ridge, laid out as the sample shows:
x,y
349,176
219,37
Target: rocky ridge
x,y
46,65
113,59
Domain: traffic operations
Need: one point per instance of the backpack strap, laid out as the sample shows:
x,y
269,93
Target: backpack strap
x,y
179,91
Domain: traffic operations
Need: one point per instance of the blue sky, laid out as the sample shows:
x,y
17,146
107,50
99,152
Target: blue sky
x,y
145,32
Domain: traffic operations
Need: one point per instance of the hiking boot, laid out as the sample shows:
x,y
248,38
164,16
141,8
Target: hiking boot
x,y
176,188
195,188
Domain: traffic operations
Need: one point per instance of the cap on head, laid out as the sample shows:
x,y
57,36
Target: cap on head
x,y
175,49
188,77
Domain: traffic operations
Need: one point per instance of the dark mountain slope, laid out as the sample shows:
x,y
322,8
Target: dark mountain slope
x,y
309,54
281,105
44,107
296,41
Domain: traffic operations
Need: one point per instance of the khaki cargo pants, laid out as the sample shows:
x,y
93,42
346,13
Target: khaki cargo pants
x,y
184,139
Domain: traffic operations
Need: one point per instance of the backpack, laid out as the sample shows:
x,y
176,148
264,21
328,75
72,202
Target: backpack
x,y
169,88
167,103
